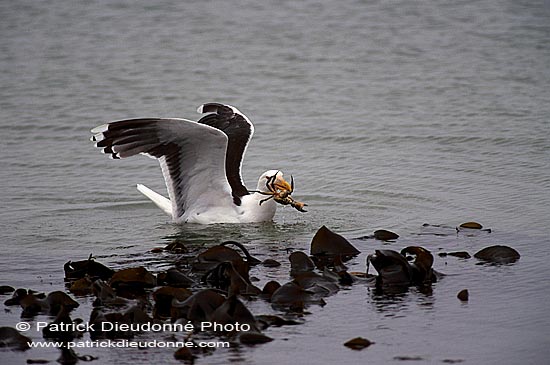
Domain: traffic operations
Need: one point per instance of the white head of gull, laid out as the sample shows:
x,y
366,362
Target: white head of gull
x,y
201,164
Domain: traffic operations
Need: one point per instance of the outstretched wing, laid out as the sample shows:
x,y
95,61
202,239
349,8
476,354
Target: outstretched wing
x,y
239,131
191,156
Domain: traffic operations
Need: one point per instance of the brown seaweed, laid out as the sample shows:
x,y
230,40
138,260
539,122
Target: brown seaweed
x,y
471,225
233,311
269,288
498,254
12,339
327,243
385,235
163,297
300,263
133,279
198,307
422,272
358,343
176,278
392,267
459,254
90,267
463,295
34,304
6,289
227,278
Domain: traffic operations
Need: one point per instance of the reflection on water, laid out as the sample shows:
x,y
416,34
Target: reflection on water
x,y
390,303
394,301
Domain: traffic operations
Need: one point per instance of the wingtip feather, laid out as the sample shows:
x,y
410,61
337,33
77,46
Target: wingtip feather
x,y
100,129
98,137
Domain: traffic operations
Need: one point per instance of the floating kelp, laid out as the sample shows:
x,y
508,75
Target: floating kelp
x,y
300,263
329,249
225,277
133,278
358,343
381,235
213,256
137,315
452,361
408,358
12,339
176,278
217,314
385,235
269,288
118,325
163,300
21,293
266,321
185,354
395,270
459,254
319,284
293,297
226,271
34,304
422,272
57,299
6,289
471,225
208,261
307,286
392,267
90,267
82,286
102,325
220,253
327,243
106,296
271,263
463,295
253,338
70,357
438,230
62,328
177,247
468,228
198,307
498,254
346,278
232,312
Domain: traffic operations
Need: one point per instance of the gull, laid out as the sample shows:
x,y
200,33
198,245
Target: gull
x,y
201,163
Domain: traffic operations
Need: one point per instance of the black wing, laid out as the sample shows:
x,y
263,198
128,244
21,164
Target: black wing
x,y
239,131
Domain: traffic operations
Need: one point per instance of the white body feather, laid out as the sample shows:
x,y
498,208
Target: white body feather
x,y
204,212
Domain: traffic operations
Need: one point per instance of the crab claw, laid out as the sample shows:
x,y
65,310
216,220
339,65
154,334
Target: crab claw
x,y
299,206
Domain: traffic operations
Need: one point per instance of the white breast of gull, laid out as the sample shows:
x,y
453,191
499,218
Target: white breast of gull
x,y
201,164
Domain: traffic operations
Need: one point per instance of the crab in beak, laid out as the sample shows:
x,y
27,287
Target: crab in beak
x,y
280,190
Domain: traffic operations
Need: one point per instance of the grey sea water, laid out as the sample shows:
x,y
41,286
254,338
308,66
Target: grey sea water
x,y
389,114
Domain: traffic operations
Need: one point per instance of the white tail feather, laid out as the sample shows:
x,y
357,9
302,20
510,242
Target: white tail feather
x,y
161,202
